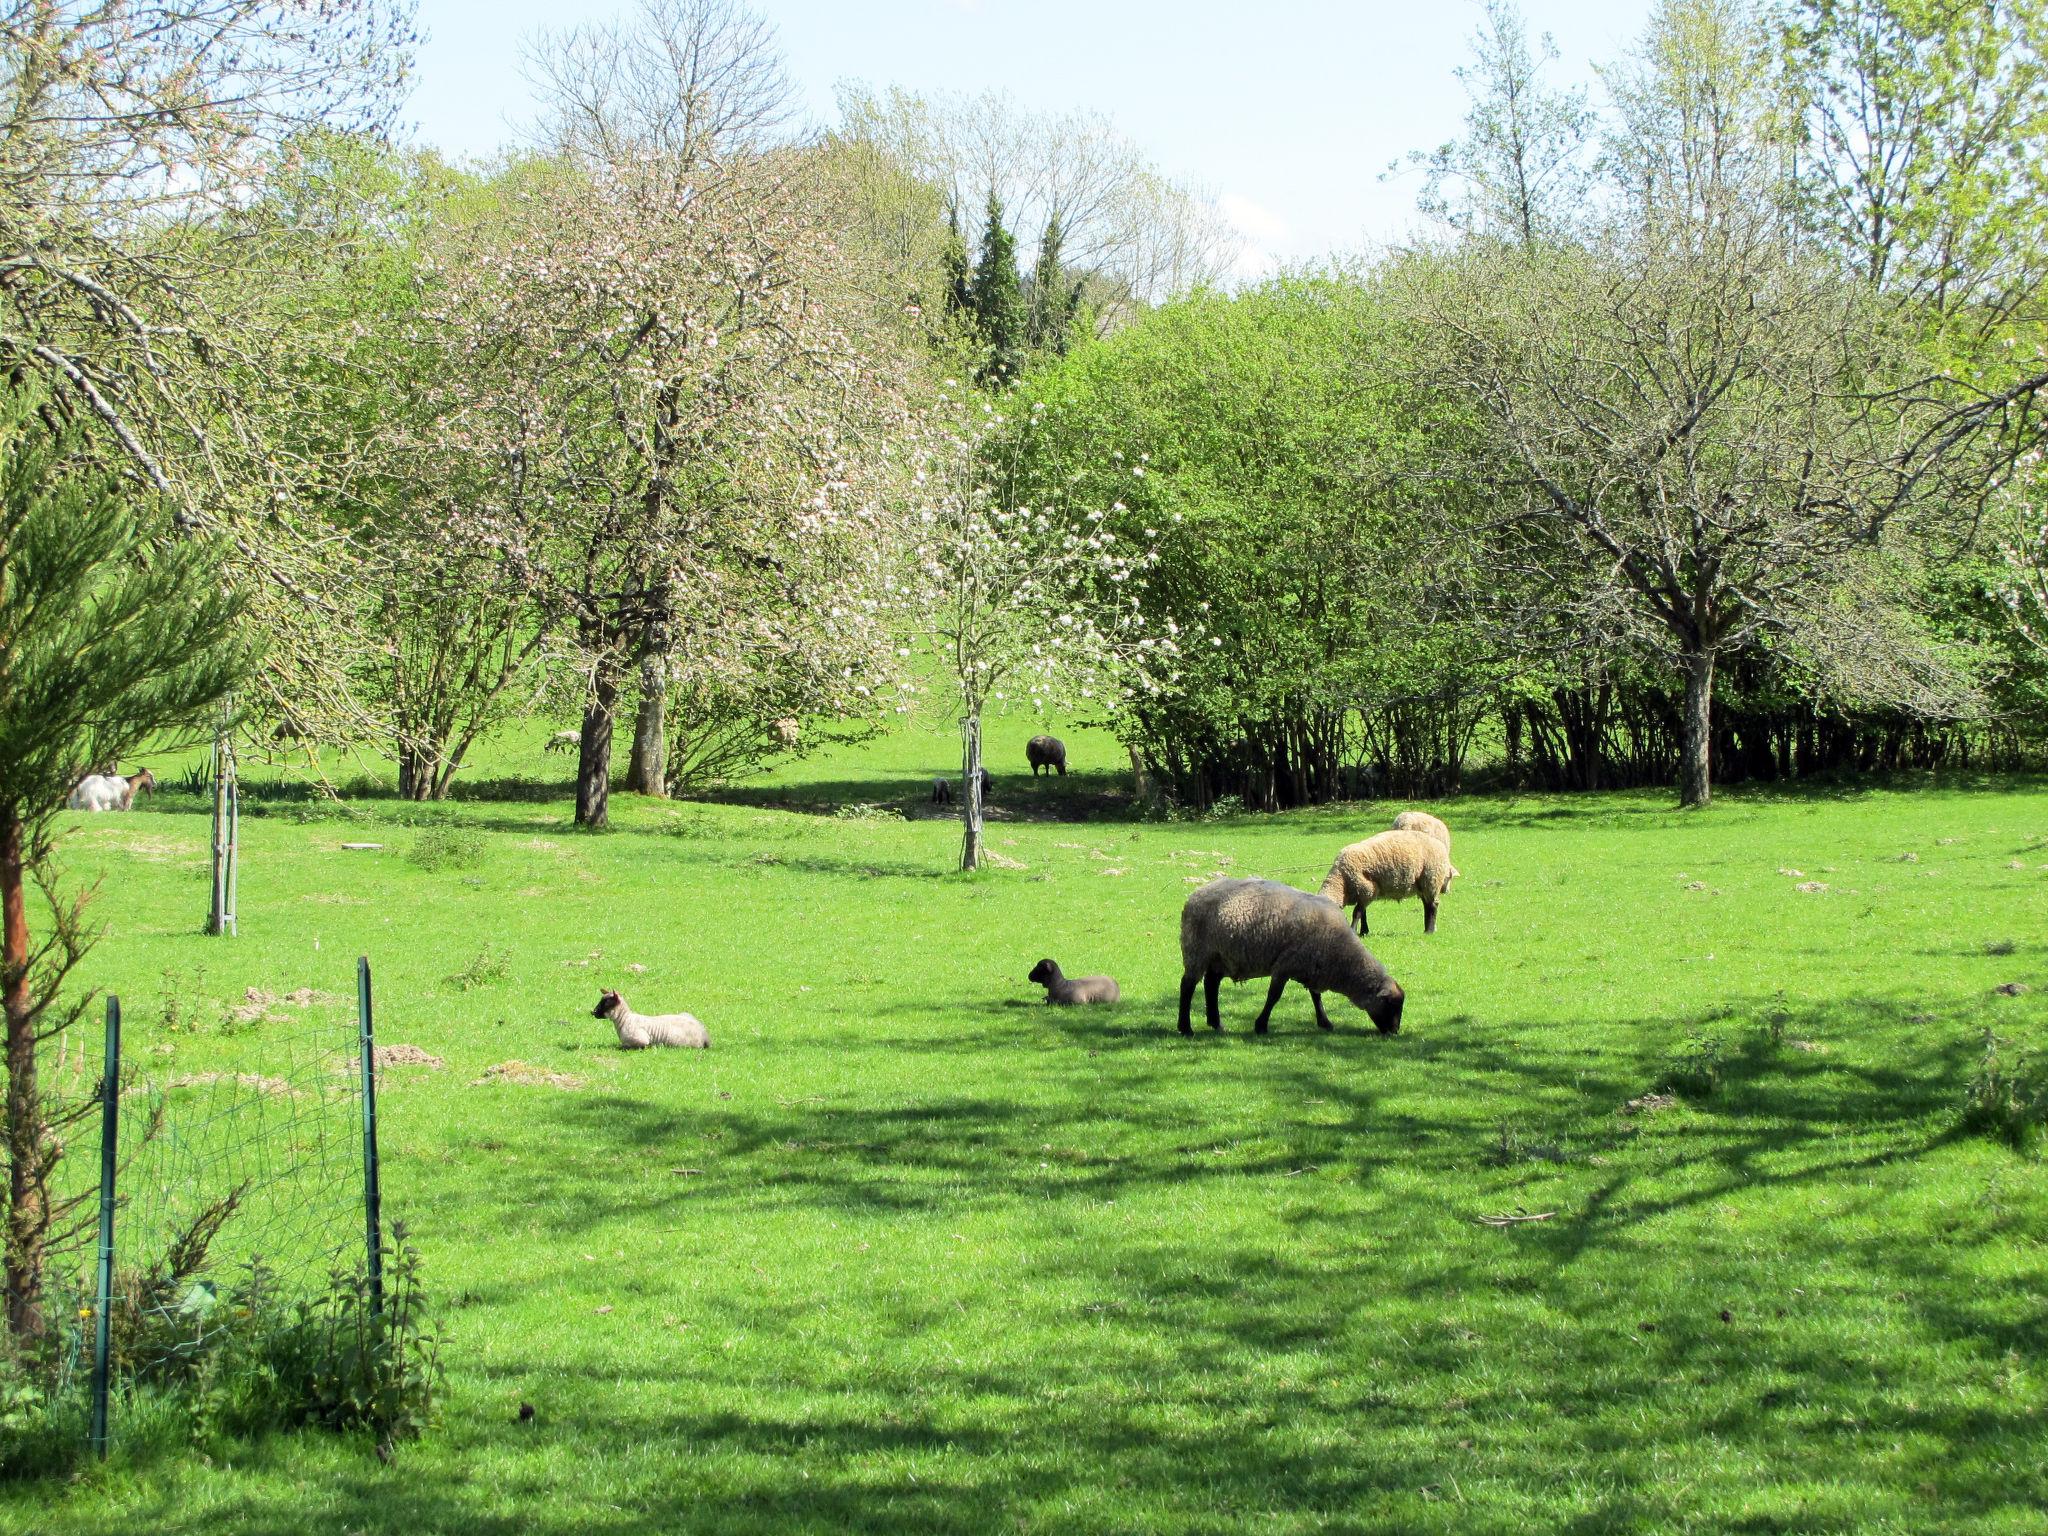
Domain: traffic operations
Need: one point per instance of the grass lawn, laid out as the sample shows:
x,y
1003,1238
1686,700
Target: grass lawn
x,y
946,1260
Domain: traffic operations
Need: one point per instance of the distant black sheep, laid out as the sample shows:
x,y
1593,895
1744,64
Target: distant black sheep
x,y
1046,752
942,789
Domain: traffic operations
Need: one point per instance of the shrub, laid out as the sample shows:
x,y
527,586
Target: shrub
x,y
2007,1098
488,968
42,1432
861,810
330,1362
447,847
1697,1068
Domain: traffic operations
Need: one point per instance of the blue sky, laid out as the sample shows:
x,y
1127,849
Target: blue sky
x,y
1287,111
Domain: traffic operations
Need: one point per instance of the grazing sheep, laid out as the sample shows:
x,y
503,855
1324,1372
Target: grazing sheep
x,y
1046,752
564,741
1078,989
1422,821
1391,867
638,1031
109,791
1244,928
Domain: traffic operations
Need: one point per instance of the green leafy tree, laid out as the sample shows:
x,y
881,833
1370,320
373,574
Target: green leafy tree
x,y
1269,442
109,638
1518,171
1925,152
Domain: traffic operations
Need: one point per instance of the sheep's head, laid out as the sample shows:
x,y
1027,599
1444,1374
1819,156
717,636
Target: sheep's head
x,y
1450,876
1044,973
1381,1001
142,781
607,1006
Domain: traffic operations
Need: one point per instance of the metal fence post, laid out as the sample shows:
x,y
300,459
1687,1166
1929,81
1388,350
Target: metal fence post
x,y
215,918
372,1198
110,1108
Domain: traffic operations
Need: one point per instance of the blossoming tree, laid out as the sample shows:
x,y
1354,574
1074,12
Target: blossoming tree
x,y
1017,600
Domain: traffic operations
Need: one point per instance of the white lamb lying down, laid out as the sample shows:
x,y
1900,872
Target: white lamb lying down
x,y
638,1031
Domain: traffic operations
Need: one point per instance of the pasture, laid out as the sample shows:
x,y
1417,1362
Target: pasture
x,y
907,1250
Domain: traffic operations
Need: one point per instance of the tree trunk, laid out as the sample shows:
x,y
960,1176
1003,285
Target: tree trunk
x,y
415,773
594,751
1695,777
970,801
26,1221
647,774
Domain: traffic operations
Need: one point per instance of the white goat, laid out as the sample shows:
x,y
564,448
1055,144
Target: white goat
x,y
110,791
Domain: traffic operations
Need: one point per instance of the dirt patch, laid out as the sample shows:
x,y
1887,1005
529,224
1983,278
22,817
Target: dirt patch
x,y
275,1087
526,1074
259,1004
406,1056
2013,989
1811,887
1649,1104
160,850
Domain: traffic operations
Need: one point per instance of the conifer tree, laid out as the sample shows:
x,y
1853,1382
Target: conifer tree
x,y
108,639
1055,297
955,274
996,296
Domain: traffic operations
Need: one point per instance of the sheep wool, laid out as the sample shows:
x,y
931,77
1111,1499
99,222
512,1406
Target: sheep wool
x,y
1046,752
639,1031
1391,867
1072,989
1422,821
1246,928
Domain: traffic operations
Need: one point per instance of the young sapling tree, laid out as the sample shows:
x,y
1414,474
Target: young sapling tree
x,y
1016,599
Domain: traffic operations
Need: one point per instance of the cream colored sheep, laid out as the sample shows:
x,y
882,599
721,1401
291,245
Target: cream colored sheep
x,y
1422,821
1391,867
638,1031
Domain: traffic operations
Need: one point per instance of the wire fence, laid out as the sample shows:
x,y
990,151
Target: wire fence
x,y
265,1159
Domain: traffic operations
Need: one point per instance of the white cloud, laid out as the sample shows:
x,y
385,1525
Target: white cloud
x,y
1265,234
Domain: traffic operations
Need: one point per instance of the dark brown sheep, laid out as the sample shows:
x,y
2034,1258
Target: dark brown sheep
x,y
1046,752
1245,928
1076,989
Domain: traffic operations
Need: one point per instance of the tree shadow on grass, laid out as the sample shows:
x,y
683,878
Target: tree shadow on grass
x,y
1349,1361
1017,797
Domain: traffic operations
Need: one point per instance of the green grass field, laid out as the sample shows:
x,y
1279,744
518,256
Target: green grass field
x,y
908,1251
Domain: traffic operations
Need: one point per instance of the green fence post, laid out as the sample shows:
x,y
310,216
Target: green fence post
x,y
110,1108
372,1198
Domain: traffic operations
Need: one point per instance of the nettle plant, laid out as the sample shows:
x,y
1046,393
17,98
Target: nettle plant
x,y
1019,599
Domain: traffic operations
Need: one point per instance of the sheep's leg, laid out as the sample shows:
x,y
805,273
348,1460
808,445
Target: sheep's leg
x,y
1187,999
1358,912
1322,1018
1212,984
1428,915
1272,996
